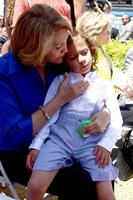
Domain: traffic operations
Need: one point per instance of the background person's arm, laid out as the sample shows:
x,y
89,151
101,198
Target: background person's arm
x,y
20,7
79,7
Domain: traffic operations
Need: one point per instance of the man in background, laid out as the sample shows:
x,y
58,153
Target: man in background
x,y
127,31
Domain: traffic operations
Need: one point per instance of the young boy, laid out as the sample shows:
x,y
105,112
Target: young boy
x,y
66,132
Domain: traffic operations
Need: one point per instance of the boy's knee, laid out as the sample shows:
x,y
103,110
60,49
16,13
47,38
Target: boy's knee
x,y
34,187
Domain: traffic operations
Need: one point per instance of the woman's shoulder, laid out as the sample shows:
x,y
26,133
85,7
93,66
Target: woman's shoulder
x,y
4,60
9,64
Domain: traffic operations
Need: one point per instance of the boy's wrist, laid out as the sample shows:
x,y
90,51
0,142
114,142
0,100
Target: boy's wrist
x,y
107,114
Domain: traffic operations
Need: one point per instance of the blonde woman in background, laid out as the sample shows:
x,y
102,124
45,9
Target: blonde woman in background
x,y
96,26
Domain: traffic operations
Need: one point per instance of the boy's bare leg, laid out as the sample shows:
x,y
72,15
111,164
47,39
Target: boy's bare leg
x,y
38,184
105,191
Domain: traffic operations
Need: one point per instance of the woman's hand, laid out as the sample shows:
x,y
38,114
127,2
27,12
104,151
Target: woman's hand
x,y
64,94
67,93
31,157
102,156
99,123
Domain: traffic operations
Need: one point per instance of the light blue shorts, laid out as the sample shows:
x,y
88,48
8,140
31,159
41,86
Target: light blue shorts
x,y
65,144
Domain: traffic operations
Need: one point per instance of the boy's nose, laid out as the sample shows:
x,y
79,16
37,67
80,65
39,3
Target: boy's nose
x,y
81,59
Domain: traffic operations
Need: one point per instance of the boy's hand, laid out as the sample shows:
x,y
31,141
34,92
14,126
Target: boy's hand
x,y
99,123
102,156
31,157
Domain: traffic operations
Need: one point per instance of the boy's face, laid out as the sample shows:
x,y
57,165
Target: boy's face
x,y
78,56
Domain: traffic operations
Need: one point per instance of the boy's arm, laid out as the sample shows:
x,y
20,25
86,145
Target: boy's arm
x,y
43,134
113,131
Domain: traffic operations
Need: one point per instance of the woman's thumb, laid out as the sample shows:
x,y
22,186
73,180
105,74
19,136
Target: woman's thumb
x,y
65,80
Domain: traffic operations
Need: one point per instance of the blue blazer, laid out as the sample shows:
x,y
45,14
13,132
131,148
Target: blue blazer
x,y
22,91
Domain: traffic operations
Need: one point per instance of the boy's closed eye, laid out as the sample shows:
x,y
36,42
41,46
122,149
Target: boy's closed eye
x,y
84,52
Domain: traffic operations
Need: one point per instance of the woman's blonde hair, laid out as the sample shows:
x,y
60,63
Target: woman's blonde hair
x,y
34,32
92,23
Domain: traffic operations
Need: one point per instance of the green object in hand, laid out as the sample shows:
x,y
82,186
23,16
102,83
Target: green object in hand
x,y
82,124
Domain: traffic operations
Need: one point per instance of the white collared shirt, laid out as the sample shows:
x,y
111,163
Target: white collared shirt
x,y
99,93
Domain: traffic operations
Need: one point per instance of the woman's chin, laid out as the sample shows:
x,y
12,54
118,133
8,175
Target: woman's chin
x,y
59,61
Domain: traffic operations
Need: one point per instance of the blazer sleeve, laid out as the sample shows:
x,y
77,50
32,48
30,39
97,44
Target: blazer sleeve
x,y
16,127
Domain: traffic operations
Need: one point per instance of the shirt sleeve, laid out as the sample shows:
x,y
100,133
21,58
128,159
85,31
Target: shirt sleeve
x,y
113,132
14,126
43,134
20,7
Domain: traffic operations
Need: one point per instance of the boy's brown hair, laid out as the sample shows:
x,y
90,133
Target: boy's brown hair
x,y
90,45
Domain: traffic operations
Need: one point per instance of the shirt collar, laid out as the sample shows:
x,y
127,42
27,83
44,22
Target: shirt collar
x,y
91,75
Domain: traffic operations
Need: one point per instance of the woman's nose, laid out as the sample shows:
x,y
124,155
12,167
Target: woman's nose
x,y
64,48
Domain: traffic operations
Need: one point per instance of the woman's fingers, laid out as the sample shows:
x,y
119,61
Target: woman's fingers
x,y
79,87
65,80
67,92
